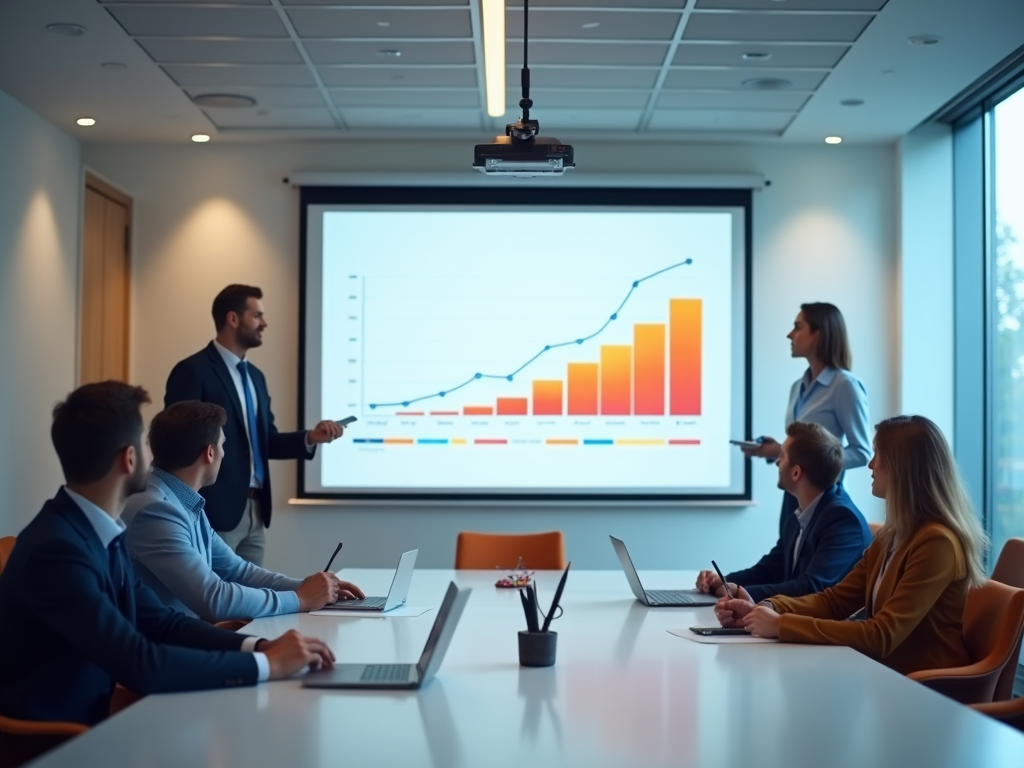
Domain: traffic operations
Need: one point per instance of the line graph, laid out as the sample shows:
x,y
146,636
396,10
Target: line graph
x,y
687,396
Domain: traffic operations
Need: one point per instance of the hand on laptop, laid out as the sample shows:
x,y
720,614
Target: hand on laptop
x,y
322,588
292,651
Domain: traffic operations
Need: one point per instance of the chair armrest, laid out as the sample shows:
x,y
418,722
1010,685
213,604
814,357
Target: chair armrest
x,y
969,670
971,684
1001,709
40,728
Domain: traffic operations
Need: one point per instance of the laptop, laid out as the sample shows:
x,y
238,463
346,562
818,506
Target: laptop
x,y
395,596
400,676
658,598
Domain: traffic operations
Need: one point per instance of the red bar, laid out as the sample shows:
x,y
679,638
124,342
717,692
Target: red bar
x,y
487,441
444,413
684,442
649,369
684,357
512,406
478,410
547,397
616,379
583,389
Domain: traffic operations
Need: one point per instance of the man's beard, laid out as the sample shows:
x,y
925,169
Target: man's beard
x,y
140,477
249,339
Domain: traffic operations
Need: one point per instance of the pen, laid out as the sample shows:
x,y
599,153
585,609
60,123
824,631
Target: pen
x,y
558,596
529,609
724,582
331,561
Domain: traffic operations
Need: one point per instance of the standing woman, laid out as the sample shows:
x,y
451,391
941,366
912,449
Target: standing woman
x,y
827,394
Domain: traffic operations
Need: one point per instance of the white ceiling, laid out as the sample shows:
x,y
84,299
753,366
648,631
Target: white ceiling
x,y
630,69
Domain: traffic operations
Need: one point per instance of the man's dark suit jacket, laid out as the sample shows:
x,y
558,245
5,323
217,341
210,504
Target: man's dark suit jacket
x,y
204,376
65,641
834,541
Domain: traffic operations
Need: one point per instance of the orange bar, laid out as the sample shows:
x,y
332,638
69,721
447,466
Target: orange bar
x,y
649,369
478,410
684,356
512,406
616,379
547,397
583,389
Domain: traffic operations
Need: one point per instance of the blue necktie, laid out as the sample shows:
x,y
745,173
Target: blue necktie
x,y
118,570
254,435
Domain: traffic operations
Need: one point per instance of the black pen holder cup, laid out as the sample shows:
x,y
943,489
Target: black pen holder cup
x,y
537,649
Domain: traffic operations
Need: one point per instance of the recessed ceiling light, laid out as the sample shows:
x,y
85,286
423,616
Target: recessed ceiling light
x,y
114,65
383,23
852,102
68,30
833,139
757,56
86,121
592,25
766,83
224,100
924,40
200,138
390,54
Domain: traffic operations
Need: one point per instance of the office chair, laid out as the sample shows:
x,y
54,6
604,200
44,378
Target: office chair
x,y
6,545
487,551
993,622
1009,570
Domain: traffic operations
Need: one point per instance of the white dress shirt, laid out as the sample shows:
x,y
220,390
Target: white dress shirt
x,y
803,517
107,529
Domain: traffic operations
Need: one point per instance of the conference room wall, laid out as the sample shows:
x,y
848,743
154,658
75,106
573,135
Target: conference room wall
x,y
826,229
39,222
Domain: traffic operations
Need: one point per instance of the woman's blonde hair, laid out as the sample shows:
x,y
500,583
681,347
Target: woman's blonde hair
x,y
924,485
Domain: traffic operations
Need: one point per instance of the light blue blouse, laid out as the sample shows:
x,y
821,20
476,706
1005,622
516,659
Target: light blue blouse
x,y
837,401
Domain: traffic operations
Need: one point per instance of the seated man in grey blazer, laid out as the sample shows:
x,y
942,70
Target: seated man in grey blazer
x,y
178,554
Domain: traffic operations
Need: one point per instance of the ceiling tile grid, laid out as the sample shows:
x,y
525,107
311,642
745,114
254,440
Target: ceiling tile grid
x,y
644,66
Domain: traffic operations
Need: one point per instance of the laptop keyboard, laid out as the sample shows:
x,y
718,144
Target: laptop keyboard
x,y
366,602
386,673
662,596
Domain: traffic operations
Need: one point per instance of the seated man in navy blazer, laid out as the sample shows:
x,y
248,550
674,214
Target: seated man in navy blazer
x,y
238,505
820,541
177,553
76,620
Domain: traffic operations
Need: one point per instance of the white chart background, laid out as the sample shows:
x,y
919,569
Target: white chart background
x,y
416,302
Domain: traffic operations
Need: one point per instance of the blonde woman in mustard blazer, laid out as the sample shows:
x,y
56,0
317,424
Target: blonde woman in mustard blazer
x,y
913,579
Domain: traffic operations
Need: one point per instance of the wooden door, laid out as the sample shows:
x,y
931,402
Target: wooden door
x,y
106,262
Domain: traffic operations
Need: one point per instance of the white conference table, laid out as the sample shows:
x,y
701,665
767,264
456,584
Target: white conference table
x,y
624,692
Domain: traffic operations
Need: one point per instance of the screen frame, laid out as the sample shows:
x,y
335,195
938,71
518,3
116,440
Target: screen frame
x,y
625,197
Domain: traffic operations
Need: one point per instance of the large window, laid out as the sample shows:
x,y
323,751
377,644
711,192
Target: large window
x,y
1006,249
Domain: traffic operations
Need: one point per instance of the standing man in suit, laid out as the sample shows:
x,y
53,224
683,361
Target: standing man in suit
x,y
238,505
821,541
76,620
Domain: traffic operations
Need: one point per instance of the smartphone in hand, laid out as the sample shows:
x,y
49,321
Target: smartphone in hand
x,y
347,420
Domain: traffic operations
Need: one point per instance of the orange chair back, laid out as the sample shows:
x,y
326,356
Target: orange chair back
x,y
6,546
487,551
1010,565
993,623
1009,570
875,528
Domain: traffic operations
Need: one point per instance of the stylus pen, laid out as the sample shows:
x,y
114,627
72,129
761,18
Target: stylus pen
x,y
724,582
331,561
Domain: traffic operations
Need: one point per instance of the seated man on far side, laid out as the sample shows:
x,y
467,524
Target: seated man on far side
x,y
178,554
821,541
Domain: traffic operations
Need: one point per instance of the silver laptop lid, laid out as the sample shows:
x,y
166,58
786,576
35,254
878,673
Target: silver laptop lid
x,y
629,570
401,581
441,633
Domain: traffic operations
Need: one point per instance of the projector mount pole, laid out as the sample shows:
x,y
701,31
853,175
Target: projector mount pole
x,y
523,130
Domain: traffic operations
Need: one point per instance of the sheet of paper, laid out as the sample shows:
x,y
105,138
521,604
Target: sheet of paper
x,y
402,611
686,634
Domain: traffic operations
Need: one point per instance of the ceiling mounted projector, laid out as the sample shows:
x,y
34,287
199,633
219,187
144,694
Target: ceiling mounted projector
x,y
521,152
